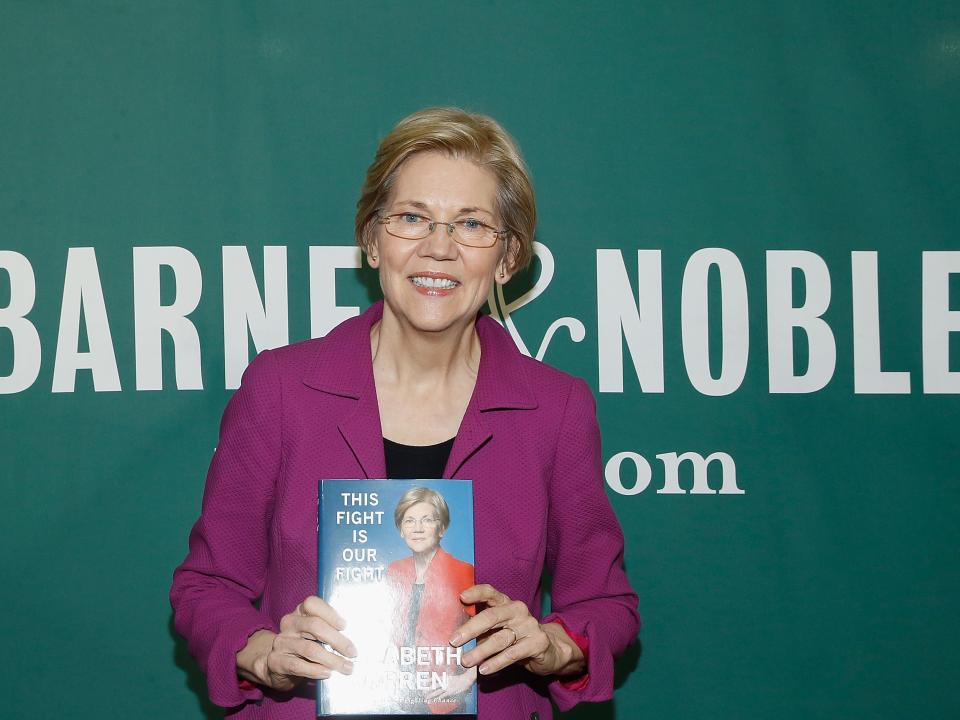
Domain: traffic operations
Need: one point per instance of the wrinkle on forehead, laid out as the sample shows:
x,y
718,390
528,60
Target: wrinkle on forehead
x,y
423,206
429,176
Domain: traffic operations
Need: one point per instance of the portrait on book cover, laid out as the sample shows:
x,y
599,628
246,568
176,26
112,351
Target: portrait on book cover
x,y
426,587
412,548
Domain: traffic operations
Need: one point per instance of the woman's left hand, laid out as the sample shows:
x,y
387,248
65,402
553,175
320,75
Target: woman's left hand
x,y
457,685
510,634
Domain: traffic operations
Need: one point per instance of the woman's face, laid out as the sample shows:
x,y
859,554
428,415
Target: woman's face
x,y
442,188
420,528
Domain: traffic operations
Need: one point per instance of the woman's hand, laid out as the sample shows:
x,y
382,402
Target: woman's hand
x,y
281,661
512,635
457,685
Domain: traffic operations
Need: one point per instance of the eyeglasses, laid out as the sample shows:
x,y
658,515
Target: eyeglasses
x,y
469,231
424,521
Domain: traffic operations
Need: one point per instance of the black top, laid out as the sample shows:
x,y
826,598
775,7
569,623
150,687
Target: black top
x,y
411,462
413,615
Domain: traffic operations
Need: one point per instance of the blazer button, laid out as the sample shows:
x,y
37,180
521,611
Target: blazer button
x,y
534,716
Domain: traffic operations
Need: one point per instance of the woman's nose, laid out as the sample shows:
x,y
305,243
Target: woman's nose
x,y
439,244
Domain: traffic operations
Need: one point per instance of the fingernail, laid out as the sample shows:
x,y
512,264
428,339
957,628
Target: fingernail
x,y
351,650
482,669
347,667
455,640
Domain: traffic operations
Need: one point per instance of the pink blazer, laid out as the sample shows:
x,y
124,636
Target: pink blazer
x,y
530,442
441,611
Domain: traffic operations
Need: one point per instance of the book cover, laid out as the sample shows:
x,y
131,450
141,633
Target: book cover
x,y
393,557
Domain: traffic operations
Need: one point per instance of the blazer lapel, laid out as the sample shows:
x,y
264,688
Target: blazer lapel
x,y
502,384
343,367
472,435
362,431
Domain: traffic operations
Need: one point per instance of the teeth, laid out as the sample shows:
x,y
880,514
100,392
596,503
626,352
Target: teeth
x,y
431,282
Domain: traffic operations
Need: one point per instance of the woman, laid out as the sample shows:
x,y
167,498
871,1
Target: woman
x,y
426,587
446,210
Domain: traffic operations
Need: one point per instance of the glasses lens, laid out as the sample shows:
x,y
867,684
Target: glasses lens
x,y
427,521
408,225
474,233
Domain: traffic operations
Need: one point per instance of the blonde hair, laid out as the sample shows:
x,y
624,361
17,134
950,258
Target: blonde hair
x,y
459,134
418,495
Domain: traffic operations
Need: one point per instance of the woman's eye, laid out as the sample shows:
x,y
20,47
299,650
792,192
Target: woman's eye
x,y
410,218
471,224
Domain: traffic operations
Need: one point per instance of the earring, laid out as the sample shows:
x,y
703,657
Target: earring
x,y
502,274
373,257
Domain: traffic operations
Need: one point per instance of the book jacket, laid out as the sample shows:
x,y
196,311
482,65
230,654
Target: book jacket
x,y
393,557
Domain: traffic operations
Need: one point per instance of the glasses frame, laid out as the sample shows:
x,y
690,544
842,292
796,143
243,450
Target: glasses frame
x,y
451,228
420,522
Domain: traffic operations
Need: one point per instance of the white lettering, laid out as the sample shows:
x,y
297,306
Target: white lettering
x,y
640,321
939,321
26,339
243,307
151,318
671,470
612,473
82,289
359,517
783,317
695,325
867,375
363,573
671,473
325,314
360,554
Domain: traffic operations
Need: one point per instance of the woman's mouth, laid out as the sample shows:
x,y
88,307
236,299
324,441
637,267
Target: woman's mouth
x,y
432,285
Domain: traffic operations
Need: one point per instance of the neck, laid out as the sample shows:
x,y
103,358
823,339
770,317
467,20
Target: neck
x,y
422,560
423,359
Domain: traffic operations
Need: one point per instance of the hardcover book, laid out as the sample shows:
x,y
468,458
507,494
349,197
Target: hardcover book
x,y
393,557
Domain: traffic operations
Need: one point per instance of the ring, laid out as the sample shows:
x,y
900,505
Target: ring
x,y
515,636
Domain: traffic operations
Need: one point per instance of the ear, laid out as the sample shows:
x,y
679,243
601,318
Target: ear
x,y
373,253
504,269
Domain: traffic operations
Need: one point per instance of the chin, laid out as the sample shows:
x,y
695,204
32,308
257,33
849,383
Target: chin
x,y
434,326
435,319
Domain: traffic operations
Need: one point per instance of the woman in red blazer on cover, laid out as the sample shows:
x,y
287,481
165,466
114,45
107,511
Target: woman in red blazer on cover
x,y
427,587
446,210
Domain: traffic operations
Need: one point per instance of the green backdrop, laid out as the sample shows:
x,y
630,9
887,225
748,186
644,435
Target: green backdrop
x,y
750,211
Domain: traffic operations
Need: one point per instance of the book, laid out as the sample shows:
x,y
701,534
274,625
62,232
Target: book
x,y
393,557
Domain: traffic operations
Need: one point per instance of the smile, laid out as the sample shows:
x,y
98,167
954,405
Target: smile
x,y
434,283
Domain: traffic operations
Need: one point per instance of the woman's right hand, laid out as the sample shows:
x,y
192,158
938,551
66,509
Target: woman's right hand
x,y
282,661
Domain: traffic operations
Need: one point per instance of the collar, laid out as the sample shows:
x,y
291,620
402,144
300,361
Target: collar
x,y
343,364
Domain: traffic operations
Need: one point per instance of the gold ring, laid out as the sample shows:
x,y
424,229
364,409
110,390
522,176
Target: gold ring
x,y
515,636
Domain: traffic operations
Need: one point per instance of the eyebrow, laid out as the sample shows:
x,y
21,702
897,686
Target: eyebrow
x,y
421,206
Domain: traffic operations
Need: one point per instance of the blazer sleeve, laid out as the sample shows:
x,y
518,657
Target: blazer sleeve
x,y
224,572
590,595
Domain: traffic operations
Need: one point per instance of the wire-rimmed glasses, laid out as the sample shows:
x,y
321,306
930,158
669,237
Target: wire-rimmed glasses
x,y
468,231
428,521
